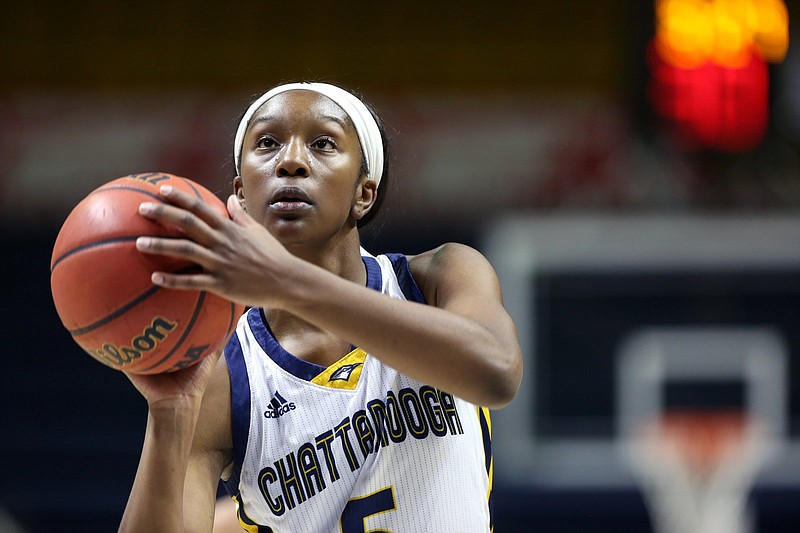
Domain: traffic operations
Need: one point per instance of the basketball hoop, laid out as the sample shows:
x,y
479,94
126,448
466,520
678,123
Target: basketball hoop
x,y
696,469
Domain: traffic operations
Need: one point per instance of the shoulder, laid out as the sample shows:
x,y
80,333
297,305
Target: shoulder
x,y
450,265
444,254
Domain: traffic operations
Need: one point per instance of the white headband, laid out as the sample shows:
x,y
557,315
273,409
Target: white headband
x,y
367,129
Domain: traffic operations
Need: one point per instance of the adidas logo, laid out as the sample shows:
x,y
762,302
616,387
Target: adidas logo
x,y
278,406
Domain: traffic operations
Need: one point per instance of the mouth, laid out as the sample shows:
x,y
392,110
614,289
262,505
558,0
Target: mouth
x,y
290,199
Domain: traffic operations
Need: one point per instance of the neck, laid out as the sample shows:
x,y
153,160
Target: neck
x,y
342,258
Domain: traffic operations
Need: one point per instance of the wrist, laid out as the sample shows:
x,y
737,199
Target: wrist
x,y
174,414
299,283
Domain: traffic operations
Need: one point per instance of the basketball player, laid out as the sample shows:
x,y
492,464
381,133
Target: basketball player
x,y
354,393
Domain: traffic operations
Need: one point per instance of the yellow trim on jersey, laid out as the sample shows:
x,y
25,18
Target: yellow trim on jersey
x,y
488,419
483,412
241,516
344,373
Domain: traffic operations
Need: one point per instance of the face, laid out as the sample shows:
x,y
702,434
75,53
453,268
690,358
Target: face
x,y
301,161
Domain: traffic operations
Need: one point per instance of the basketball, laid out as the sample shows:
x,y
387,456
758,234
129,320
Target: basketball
x,y
102,290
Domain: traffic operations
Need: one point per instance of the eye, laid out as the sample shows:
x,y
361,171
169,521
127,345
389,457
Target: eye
x,y
266,142
324,143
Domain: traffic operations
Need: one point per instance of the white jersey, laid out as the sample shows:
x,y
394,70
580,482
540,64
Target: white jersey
x,y
356,446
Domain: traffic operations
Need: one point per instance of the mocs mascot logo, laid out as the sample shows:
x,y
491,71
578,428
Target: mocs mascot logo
x,y
343,373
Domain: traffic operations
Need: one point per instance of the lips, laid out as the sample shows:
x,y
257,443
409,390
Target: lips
x,y
290,200
290,194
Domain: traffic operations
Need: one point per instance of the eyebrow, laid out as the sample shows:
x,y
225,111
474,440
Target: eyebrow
x,y
325,118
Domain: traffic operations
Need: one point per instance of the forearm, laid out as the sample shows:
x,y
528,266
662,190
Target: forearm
x,y
156,500
436,346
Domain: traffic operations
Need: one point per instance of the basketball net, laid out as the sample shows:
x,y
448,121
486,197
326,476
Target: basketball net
x,y
696,470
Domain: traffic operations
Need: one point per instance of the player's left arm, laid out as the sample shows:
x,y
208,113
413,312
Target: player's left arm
x,y
459,280
463,341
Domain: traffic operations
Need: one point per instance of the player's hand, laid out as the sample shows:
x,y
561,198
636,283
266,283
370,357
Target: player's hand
x,y
241,260
180,389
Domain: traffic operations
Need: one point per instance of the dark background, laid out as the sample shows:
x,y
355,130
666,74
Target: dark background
x,y
72,429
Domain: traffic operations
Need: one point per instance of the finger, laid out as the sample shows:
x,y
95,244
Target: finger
x,y
193,204
195,227
181,248
186,282
237,212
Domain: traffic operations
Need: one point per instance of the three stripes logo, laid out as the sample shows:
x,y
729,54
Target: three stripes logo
x,y
278,406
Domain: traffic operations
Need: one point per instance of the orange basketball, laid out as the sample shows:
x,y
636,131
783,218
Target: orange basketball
x,y
102,290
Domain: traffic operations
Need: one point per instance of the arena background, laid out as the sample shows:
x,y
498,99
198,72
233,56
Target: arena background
x,y
515,125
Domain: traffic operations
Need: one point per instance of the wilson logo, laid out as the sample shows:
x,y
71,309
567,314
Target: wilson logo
x,y
151,337
278,406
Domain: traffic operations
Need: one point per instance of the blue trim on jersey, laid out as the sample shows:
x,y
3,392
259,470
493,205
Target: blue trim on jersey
x,y
407,282
265,338
242,515
294,365
240,409
374,277
487,450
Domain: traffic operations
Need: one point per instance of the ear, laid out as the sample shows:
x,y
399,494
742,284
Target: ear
x,y
366,194
238,190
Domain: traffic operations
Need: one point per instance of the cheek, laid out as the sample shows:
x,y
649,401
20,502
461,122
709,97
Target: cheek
x,y
252,190
345,163
340,178
337,198
255,165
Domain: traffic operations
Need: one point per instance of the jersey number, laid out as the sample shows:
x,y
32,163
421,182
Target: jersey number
x,y
358,509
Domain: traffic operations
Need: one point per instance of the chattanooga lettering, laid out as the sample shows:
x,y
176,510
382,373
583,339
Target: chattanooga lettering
x,y
402,417
151,337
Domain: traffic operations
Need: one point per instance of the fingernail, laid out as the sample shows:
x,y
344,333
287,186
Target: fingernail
x,y
142,243
166,189
157,278
146,207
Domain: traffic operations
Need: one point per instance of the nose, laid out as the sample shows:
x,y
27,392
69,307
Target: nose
x,y
293,159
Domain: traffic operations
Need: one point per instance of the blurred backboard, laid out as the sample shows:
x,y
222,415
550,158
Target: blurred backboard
x,y
586,290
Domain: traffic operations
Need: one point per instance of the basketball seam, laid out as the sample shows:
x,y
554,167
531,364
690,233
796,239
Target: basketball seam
x,y
128,188
186,332
107,241
119,312
87,246
127,307
194,189
232,321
